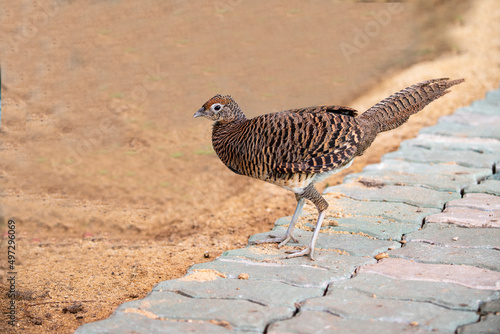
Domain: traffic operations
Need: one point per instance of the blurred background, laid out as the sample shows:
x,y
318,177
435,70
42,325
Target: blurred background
x,y
115,187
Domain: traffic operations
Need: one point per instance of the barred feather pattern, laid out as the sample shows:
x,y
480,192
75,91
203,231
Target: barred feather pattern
x,y
297,148
275,147
397,108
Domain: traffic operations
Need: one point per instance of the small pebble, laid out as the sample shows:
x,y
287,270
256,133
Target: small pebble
x,y
87,235
332,223
454,239
381,256
243,276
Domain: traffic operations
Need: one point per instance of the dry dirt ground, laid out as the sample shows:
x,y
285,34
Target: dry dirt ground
x,y
114,187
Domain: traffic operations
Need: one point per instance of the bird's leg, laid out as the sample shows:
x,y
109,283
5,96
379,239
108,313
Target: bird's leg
x,y
309,250
321,204
295,217
282,240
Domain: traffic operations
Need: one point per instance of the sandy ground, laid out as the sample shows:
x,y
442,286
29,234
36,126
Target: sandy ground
x,y
114,187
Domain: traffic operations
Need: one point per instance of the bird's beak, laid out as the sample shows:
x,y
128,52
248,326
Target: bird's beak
x,y
199,113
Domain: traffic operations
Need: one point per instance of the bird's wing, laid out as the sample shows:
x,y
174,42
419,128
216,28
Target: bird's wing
x,y
327,109
320,164
315,140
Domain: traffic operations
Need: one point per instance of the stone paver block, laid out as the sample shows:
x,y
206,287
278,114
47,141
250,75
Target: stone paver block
x,y
417,196
488,324
494,177
422,252
464,158
466,217
393,165
325,269
351,304
468,276
440,182
379,228
490,101
479,108
451,235
493,97
490,307
137,323
491,187
382,229
477,201
240,314
461,130
345,207
268,292
436,142
351,244
326,323
472,119
448,295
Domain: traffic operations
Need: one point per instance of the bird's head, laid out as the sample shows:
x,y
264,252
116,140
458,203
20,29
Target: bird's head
x,y
221,108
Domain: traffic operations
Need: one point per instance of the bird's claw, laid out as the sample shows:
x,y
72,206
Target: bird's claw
x,y
296,253
275,239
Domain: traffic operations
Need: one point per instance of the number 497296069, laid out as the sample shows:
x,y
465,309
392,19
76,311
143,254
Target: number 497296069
x,y
11,248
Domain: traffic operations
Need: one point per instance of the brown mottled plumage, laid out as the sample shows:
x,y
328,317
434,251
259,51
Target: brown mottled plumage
x,y
297,148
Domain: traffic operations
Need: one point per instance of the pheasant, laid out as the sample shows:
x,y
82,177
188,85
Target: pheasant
x,y
297,148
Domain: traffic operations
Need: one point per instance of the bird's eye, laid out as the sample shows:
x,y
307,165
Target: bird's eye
x,y
217,107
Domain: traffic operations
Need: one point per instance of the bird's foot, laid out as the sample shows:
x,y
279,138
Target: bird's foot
x,y
276,239
296,253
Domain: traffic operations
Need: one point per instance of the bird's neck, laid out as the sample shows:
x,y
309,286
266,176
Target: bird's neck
x,y
226,126
224,135
234,118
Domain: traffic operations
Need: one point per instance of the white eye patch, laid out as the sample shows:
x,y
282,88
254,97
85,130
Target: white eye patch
x,y
216,107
